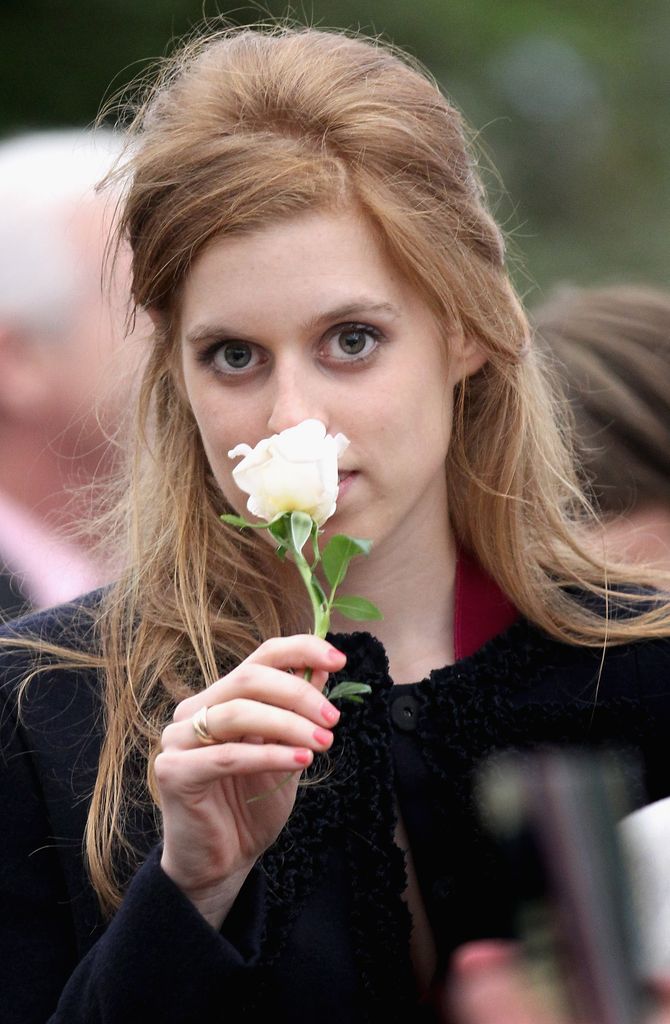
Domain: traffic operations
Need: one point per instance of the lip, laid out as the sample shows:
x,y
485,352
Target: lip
x,y
345,480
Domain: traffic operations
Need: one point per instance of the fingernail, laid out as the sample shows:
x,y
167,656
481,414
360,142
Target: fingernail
x,y
335,656
322,736
302,756
329,712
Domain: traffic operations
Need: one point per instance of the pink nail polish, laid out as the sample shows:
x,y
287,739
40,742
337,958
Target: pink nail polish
x,y
329,713
322,736
302,756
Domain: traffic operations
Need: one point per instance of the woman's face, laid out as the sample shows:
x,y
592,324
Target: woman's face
x,y
308,319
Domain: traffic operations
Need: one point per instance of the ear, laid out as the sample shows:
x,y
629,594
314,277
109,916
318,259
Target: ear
x,y
466,358
157,318
474,356
25,375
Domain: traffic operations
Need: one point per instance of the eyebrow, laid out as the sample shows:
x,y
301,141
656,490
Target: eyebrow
x,y
347,311
350,309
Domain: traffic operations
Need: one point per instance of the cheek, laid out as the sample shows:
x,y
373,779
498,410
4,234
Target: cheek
x,y
420,420
216,450
205,410
218,434
222,471
210,429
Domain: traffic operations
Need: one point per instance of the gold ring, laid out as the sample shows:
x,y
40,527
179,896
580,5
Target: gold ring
x,y
199,723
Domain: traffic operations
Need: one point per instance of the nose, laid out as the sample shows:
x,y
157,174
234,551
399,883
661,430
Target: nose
x,y
295,397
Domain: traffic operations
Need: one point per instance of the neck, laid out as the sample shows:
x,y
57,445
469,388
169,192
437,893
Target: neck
x,y
413,586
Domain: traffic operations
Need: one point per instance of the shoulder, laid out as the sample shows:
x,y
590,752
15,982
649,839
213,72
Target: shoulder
x,y
46,678
631,622
645,651
32,638
64,625
637,668
527,659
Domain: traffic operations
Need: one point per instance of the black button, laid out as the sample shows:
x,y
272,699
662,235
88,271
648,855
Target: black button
x,y
404,712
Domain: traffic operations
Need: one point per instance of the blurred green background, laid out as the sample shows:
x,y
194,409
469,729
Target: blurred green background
x,y
570,102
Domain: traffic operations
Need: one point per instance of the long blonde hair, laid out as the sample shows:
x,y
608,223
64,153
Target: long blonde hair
x,y
246,127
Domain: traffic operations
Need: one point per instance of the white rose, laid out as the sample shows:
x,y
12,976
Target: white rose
x,y
295,470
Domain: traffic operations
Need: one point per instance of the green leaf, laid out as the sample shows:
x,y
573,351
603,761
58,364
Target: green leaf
x,y
301,529
239,521
337,554
357,608
279,529
348,691
235,520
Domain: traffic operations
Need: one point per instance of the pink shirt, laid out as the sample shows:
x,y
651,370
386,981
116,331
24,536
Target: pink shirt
x,y
49,569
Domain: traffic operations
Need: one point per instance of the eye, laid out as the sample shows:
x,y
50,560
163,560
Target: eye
x,y
352,342
232,357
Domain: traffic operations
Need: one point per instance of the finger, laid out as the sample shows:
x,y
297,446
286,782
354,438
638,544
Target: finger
x,y
268,686
188,771
295,652
318,680
234,719
298,652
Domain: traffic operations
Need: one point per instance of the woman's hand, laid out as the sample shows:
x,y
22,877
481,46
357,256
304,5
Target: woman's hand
x,y
267,722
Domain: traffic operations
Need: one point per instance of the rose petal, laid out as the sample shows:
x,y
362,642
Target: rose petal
x,y
293,470
239,449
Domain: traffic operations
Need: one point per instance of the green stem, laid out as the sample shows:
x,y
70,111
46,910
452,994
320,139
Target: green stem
x,y
303,568
329,603
315,547
321,622
320,628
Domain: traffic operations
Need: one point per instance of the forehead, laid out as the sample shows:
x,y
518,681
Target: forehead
x,y
304,262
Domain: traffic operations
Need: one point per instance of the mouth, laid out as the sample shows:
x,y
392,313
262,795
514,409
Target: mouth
x,y
344,480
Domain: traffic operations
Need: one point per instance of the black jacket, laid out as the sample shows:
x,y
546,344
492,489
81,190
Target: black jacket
x,y
13,601
319,931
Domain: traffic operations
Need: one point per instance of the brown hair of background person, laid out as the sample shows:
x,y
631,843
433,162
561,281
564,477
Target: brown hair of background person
x,y
611,347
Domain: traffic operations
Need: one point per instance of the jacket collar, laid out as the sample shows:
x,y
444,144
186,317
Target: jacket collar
x,y
481,609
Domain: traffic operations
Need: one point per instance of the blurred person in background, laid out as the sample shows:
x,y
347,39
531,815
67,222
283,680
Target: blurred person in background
x,y
611,347
59,359
489,986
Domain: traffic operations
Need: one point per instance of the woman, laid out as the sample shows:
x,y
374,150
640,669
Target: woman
x,y
310,238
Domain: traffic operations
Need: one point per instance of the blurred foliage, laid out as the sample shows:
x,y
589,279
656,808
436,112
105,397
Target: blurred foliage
x,y
570,103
